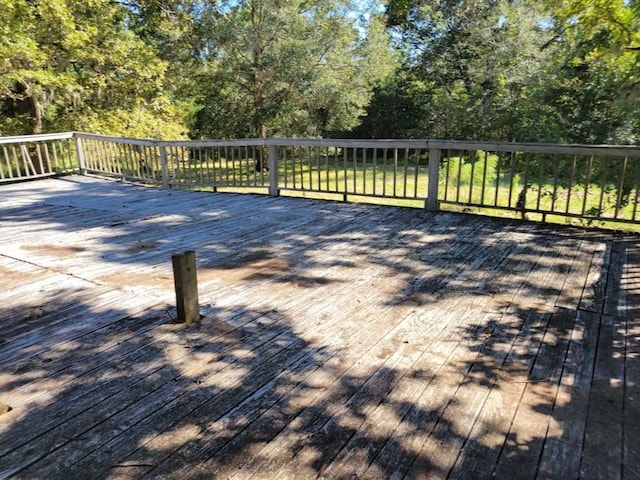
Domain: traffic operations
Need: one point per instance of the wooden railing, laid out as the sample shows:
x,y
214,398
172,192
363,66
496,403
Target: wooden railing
x,y
545,182
548,182
36,156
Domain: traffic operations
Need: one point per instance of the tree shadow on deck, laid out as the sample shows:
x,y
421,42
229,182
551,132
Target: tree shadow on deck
x,y
537,381
143,392
423,256
242,394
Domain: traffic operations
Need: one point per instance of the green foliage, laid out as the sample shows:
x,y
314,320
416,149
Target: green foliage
x,y
594,84
295,68
77,65
473,62
542,71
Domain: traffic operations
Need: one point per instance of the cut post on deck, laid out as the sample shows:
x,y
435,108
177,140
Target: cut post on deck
x,y
186,285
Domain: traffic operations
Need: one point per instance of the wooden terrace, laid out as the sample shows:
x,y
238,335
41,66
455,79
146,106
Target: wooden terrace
x,y
337,340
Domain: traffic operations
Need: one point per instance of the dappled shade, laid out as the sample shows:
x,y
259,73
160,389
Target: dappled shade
x,y
338,340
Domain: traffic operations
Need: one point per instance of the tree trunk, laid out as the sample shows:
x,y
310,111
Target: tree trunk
x,y
38,110
33,150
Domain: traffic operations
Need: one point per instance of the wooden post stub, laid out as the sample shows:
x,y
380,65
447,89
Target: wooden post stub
x,y
186,284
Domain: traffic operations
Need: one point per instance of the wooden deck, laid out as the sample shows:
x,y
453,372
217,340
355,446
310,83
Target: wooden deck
x,y
339,340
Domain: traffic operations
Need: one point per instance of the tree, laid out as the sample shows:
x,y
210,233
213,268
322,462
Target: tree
x,y
77,65
594,84
541,71
286,68
474,62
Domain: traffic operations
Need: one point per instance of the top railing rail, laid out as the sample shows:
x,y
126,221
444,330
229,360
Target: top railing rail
x,y
36,138
551,148
548,148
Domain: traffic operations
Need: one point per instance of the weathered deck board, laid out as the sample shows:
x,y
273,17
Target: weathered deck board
x,y
521,452
631,288
603,431
339,340
563,446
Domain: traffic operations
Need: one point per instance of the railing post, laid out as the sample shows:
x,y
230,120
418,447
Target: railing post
x,y
274,191
432,203
80,155
165,166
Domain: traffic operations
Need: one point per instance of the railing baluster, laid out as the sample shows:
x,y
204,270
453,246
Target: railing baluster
x,y
101,162
148,166
80,155
511,178
309,167
484,178
164,165
344,162
127,161
105,166
554,193
109,157
218,166
459,176
405,172
416,172
203,158
252,167
326,169
16,164
47,159
294,180
285,167
226,164
587,181
571,182
384,172
354,165
540,180
603,178
117,160
363,169
41,163
395,172
6,159
51,150
98,163
447,170
473,156
337,169
498,173
316,154
620,188
635,201
155,161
